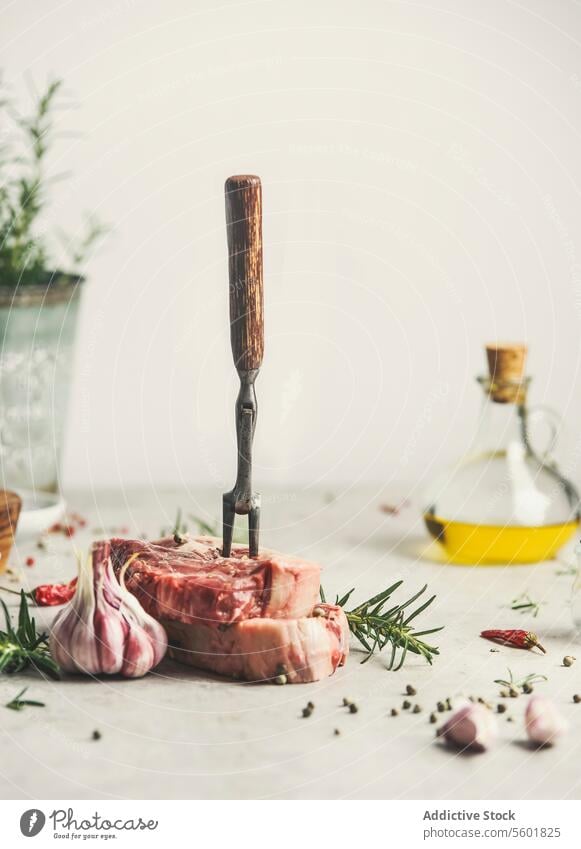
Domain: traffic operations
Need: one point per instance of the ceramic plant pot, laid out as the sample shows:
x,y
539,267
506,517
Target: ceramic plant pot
x,y
37,334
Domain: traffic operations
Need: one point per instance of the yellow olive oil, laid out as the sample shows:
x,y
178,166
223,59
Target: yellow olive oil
x,y
488,545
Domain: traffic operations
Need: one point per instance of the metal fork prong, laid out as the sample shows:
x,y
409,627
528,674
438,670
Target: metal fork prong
x,y
228,518
253,531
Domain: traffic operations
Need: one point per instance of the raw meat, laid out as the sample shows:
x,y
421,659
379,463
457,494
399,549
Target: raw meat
x,y
192,582
303,650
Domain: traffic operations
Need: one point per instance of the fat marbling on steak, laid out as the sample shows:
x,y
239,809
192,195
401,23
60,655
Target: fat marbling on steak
x,y
302,650
191,582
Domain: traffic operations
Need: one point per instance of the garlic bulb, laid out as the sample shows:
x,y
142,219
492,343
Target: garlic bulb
x,y
104,629
471,727
544,723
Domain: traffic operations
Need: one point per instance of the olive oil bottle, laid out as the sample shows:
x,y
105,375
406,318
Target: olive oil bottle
x,y
503,503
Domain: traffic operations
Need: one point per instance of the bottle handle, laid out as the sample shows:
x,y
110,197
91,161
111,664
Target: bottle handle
x,y
554,423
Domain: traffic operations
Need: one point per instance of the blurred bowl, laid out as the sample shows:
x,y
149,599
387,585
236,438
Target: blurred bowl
x,y
40,510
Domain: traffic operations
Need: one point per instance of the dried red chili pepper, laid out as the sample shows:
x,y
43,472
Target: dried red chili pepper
x,y
518,638
49,595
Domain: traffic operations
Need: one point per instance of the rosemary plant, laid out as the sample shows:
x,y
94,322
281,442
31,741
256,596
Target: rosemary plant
x,y
25,254
377,624
22,647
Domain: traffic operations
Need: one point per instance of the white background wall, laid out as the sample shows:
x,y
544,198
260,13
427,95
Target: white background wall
x,y
421,168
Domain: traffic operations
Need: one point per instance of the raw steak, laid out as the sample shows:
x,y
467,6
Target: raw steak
x,y
303,650
192,582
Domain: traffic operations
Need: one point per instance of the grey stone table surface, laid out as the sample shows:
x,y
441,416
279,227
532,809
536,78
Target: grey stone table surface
x,y
179,733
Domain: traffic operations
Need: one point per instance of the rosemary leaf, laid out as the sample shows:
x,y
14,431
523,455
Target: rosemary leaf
x,y
18,703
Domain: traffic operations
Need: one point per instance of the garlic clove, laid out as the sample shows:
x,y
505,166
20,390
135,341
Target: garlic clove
x,y
472,727
138,656
544,724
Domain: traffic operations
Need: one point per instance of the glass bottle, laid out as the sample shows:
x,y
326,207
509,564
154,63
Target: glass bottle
x,y
503,502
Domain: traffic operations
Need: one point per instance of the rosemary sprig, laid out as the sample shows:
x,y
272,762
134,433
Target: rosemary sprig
x,y
23,647
523,684
525,604
214,529
18,703
205,528
179,528
376,625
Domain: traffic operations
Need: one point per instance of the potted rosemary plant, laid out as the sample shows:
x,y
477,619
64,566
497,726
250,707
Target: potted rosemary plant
x,y
38,302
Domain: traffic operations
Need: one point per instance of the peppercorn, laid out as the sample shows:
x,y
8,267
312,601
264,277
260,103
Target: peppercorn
x,y
394,712
577,698
417,709
441,707
568,660
510,719
500,708
527,688
307,711
96,735
346,701
448,704
513,693
406,705
433,718
311,705
336,732
504,694
280,679
353,708
410,691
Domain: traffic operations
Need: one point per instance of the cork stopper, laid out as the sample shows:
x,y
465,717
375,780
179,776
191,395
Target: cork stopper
x,y
506,365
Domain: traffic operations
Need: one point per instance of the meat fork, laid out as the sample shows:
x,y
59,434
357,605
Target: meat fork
x,y
244,230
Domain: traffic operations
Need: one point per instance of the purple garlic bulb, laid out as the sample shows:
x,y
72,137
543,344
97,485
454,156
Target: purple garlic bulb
x,y
104,630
